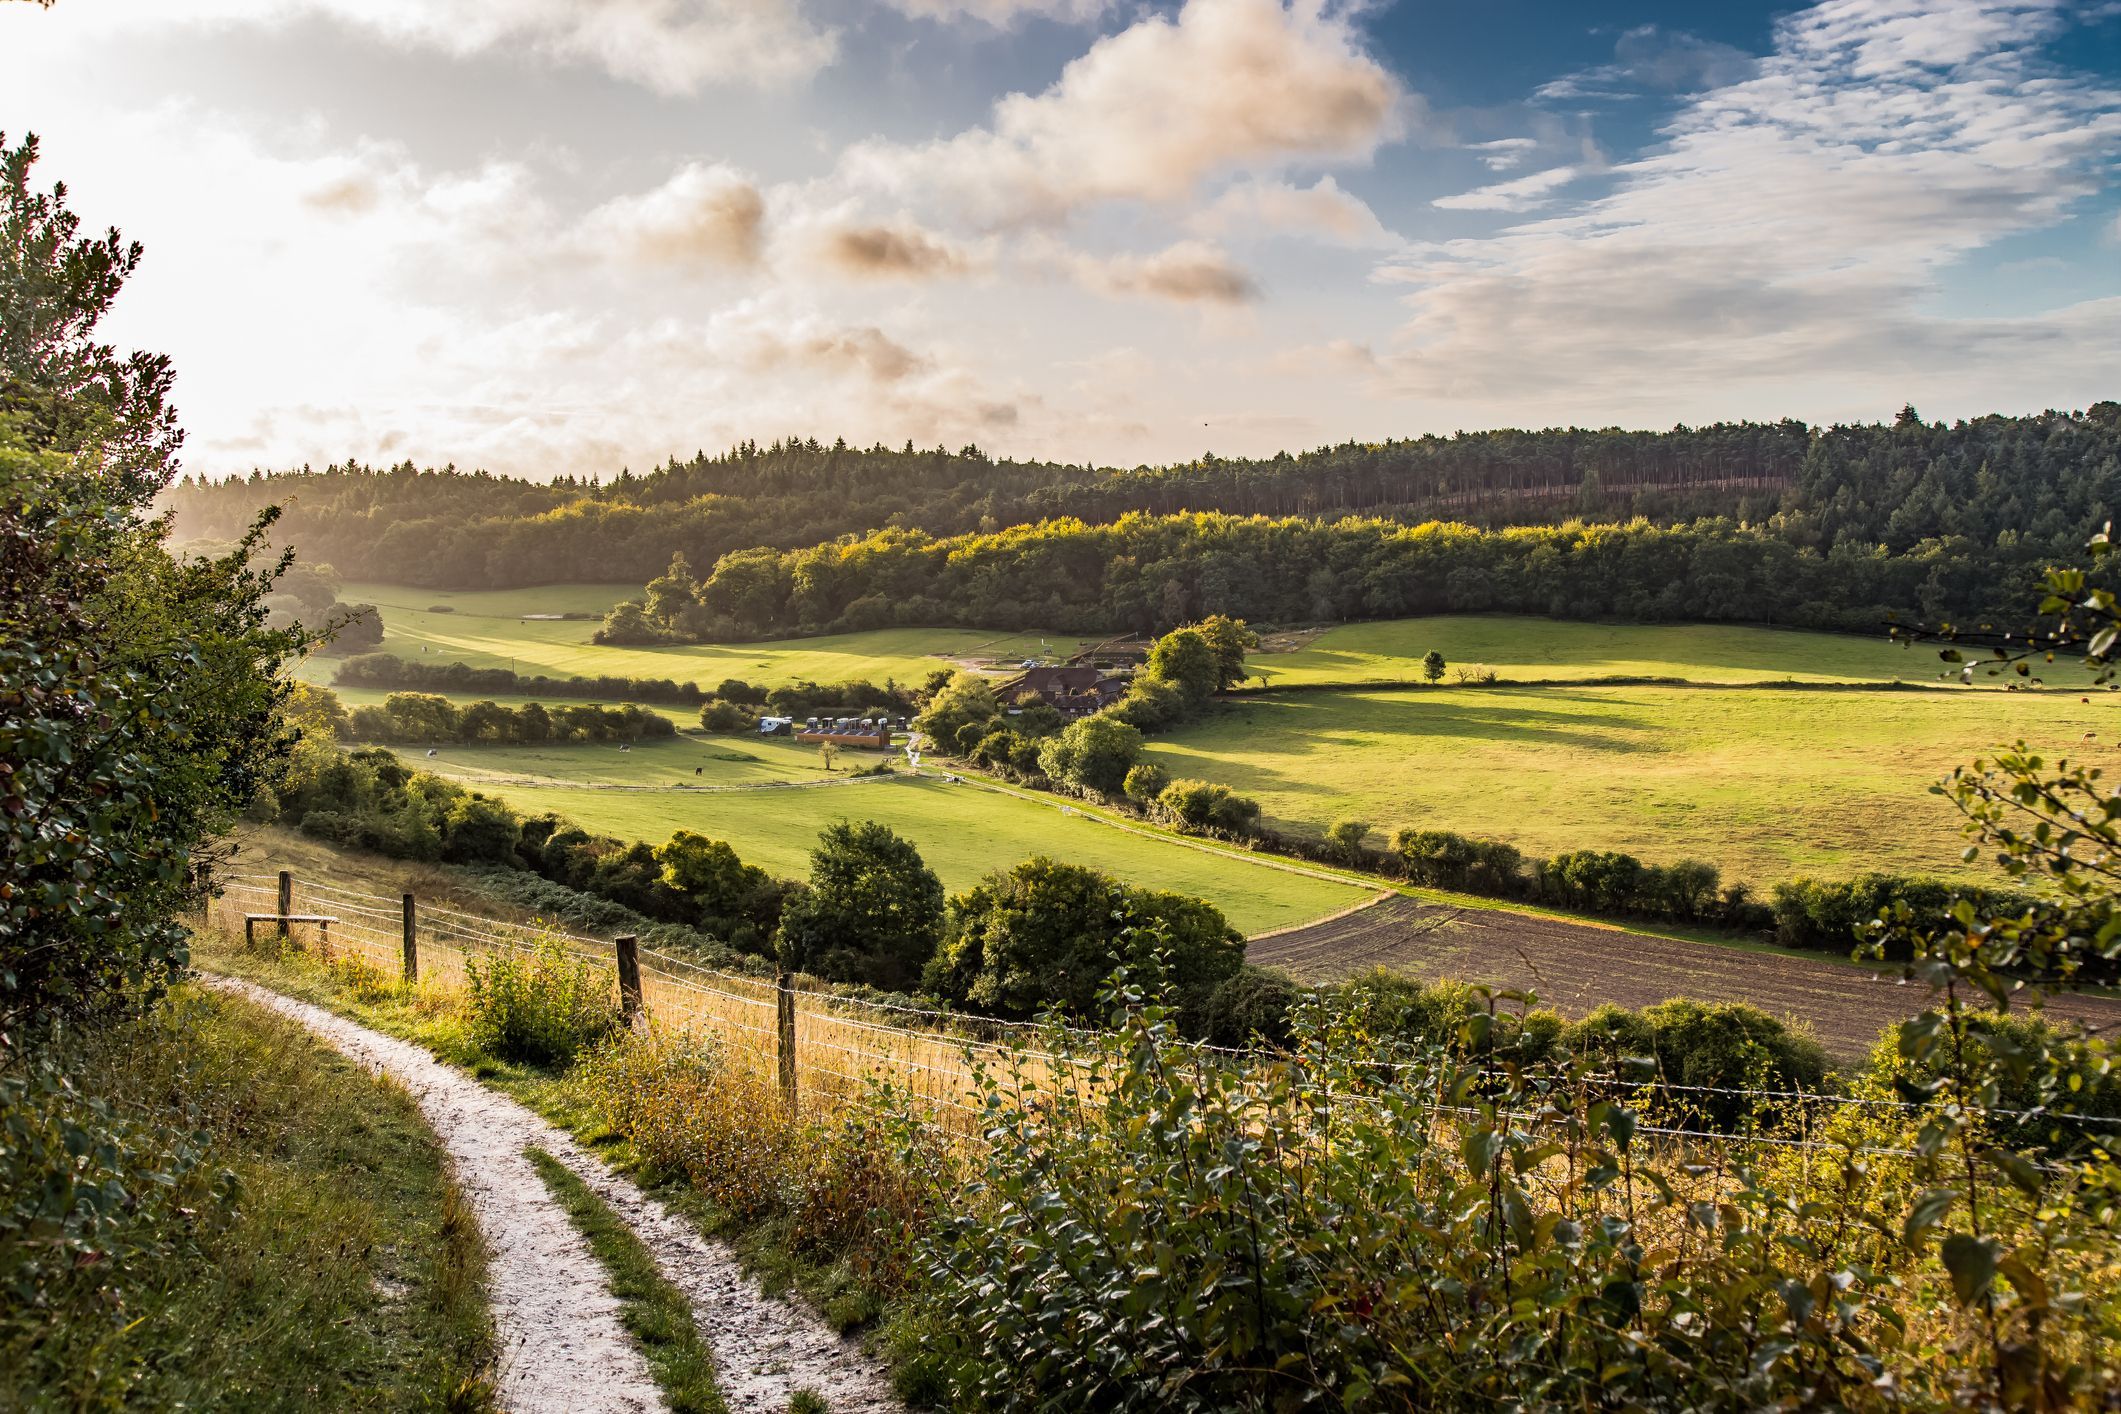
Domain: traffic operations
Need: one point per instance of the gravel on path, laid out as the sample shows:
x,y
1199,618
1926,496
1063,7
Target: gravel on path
x,y
564,1351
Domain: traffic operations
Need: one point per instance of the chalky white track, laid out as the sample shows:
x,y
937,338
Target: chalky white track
x,y
563,1349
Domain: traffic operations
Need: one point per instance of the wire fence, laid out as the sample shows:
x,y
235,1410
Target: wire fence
x,y
829,1050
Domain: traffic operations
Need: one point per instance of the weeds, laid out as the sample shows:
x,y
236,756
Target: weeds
x,y
543,1008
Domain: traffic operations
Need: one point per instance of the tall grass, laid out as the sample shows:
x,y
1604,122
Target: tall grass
x,y
213,1211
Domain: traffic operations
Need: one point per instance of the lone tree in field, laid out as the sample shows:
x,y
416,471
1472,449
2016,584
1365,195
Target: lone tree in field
x,y
873,911
1432,665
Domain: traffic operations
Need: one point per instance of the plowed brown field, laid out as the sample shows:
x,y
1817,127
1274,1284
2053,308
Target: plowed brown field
x,y
1574,967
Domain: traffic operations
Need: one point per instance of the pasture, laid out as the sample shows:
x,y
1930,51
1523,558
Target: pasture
x,y
1763,783
487,629
1555,650
782,799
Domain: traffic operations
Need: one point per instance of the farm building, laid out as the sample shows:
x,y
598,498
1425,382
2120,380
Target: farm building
x,y
871,732
1072,688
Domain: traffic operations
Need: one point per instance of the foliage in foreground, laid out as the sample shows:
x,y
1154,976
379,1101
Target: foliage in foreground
x,y
138,714
205,1208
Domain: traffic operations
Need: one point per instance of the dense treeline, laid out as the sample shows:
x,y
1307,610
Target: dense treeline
x,y
2010,487
1145,573
388,670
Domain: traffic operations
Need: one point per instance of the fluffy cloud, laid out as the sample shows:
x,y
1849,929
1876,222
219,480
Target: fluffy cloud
x,y
1189,272
1788,234
887,250
1322,209
702,217
673,46
1152,111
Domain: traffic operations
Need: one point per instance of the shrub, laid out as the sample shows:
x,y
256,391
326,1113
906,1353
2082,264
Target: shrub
x,y
1452,861
1346,837
1145,782
541,1008
480,831
1204,805
1251,1007
724,716
1714,1045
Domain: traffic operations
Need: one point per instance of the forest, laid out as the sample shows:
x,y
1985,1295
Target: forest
x,y
2003,486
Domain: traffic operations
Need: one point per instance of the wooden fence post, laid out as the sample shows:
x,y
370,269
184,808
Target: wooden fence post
x,y
412,946
287,902
629,977
784,1028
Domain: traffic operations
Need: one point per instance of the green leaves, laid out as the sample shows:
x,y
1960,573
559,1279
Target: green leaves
x,y
1972,1264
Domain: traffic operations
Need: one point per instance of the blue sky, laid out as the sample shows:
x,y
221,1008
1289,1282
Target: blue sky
x,y
552,235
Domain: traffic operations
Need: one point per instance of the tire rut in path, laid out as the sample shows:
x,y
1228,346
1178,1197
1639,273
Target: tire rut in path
x,y
564,1351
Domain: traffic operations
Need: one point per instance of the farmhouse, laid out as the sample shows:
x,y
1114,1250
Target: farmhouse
x,y
1072,688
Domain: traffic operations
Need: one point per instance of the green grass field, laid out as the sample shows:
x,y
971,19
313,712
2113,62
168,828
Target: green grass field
x,y
486,629
1764,784
961,830
1524,649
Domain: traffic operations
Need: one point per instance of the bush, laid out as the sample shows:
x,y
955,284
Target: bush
x,y
541,1008
1446,860
1203,805
1831,915
858,1186
1714,1045
1145,782
724,716
1251,1007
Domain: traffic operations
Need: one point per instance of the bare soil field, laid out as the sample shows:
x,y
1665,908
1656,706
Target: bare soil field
x,y
1575,967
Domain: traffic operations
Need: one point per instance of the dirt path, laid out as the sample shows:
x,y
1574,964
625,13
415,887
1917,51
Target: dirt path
x,y
564,1350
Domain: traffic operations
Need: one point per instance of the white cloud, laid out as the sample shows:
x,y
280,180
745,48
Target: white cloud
x,y
1518,194
672,46
1152,111
1787,237
1324,209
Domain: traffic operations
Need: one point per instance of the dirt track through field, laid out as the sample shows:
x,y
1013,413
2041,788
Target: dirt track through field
x,y
1573,967
563,1349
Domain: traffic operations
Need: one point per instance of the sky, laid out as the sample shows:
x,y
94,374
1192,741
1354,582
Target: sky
x,y
566,236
